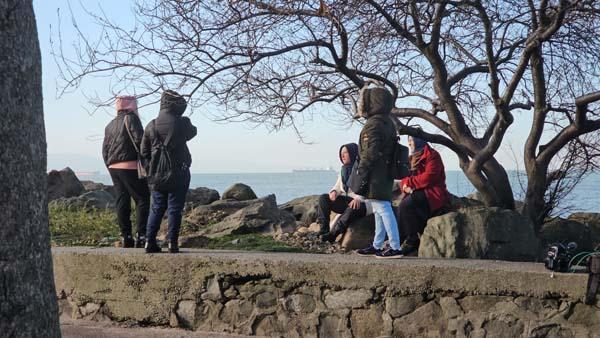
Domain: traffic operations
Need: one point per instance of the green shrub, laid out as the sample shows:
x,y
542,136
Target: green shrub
x,y
82,228
94,227
250,242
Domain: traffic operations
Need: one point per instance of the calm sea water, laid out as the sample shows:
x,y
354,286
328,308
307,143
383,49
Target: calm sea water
x,y
287,186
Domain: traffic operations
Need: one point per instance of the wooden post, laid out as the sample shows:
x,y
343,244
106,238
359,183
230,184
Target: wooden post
x,y
594,279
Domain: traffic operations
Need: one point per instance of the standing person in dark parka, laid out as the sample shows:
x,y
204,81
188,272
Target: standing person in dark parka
x,y
425,191
120,150
169,122
376,151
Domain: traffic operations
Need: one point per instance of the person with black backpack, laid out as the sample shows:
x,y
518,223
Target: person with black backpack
x,y
120,151
165,150
374,175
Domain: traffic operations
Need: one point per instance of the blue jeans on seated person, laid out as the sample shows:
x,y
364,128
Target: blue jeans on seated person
x,y
385,223
171,202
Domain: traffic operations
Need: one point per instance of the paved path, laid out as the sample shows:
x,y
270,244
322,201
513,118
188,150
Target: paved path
x,y
352,258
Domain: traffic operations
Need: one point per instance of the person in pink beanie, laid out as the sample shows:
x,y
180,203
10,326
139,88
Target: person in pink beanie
x,y
121,153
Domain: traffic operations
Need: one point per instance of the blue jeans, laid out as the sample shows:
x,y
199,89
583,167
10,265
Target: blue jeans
x,y
385,222
172,202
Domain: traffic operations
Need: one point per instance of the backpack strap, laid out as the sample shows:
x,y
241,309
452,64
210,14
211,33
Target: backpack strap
x,y
169,135
125,120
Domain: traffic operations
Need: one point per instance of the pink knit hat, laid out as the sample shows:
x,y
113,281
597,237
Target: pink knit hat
x,y
128,103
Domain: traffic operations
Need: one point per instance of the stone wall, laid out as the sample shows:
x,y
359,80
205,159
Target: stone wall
x,y
302,295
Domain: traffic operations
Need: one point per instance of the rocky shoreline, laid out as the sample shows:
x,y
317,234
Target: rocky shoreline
x,y
467,230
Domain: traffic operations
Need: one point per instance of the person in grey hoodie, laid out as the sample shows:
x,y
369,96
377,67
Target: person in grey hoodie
x,y
175,130
341,199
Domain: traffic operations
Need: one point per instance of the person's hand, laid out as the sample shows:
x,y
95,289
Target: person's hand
x,y
355,203
407,189
332,195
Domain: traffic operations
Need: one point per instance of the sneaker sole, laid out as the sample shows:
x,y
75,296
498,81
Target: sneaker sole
x,y
365,255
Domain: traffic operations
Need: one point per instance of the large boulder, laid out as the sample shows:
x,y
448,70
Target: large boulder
x,y
98,199
305,209
564,231
592,220
200,196
260,216
359,234
469,201
215,212
93,186
483,233
239,192
63,183
478,197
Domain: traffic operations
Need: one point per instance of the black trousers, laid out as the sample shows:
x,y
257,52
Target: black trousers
x,y
340,206
127,186
412,216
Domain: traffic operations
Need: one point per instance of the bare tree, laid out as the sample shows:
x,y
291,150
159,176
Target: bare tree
x,y
460,67
28,305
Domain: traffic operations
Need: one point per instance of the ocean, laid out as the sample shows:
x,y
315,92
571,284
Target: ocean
x,y
290,185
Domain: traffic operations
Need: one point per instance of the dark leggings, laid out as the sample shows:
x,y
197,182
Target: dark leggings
x,y
128,185
412,216
340,206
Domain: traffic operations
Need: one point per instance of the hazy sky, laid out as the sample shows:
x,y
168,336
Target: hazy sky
x,y
74,136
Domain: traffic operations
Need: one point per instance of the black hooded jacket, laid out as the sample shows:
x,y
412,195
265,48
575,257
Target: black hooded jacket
x,y
118,146
172,106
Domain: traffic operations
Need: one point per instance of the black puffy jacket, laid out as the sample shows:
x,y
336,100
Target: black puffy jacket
x,y
172,106
118,145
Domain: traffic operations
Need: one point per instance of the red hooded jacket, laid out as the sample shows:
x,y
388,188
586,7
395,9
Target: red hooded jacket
x,y
431,178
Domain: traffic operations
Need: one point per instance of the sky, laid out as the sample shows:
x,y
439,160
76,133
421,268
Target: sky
x,y
74,135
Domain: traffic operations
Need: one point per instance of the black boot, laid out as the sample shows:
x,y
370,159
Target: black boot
x,y
174,247
127,241
338,228
174,244
152,247
140,241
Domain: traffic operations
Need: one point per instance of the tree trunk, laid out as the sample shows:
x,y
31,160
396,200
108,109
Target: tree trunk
x,y
535,205
498,178
28,306
491,183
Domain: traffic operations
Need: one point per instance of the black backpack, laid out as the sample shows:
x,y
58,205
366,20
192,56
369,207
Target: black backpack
x,y
161,170
399,166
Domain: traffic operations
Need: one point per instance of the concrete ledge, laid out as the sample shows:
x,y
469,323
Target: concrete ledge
x,y
305,294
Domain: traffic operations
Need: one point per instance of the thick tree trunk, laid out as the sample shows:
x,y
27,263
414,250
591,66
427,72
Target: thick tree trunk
x,y
535,205
498,178
28,306
491,183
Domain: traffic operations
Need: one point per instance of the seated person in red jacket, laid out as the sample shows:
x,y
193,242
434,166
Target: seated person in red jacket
x,y
425,192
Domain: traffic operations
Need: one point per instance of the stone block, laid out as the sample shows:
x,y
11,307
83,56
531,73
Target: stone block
x,y
348,299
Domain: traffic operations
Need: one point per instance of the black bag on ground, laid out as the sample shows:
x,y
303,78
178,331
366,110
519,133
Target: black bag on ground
x,y
161,170
399,166
358,181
